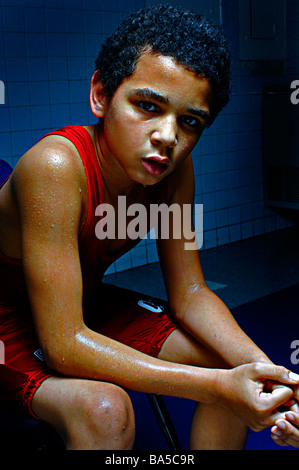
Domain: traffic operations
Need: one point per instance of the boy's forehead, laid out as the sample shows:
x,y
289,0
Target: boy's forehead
x,y
165,75
152,62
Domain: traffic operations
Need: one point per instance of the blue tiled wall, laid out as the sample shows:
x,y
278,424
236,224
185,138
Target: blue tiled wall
x,y
47,52
228,158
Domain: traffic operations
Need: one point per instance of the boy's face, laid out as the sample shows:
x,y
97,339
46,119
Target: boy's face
x,y
155,118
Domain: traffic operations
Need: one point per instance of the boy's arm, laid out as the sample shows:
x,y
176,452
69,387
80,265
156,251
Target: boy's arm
x,y
47,190
47,183
196,307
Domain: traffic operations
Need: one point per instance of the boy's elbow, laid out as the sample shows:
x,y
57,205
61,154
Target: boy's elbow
x,y
57,360
65,355
54,362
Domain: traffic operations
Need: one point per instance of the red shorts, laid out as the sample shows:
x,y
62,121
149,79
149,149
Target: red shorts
x,y
133,319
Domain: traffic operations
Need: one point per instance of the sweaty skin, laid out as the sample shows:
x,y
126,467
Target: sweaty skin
x,y
43,207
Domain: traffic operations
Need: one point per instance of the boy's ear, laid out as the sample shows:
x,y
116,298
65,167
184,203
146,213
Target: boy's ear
x,y
97,96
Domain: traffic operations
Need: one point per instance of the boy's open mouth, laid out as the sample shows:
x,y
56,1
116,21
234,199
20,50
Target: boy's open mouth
x,y
155,165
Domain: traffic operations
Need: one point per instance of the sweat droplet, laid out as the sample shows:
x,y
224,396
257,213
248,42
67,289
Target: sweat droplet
x,y
52,225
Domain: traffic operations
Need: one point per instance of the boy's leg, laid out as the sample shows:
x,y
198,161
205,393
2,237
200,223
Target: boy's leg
x,y
214,427
145,324
88,415
98,415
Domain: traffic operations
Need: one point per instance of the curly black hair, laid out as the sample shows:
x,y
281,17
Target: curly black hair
x,y
190,38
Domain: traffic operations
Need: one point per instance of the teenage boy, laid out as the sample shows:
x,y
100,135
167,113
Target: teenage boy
x,y
160,80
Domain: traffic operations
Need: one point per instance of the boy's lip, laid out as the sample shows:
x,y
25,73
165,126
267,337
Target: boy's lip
x,y
158,159
155,164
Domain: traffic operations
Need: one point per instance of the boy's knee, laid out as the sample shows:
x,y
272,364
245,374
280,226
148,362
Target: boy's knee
x,y
109,416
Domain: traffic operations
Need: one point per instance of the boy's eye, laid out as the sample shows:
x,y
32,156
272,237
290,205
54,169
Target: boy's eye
x,y
147,106
190,121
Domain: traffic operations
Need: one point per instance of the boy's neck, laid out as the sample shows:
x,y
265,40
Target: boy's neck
x,y
115,179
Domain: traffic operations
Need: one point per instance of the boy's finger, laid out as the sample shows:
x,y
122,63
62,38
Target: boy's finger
x,y
277,397
295,407
277,373
293,417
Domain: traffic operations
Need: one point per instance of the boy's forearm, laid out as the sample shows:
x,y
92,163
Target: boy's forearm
x,y
205,316
97,357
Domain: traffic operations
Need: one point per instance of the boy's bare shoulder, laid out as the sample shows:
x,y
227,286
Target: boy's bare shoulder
x,y
53,160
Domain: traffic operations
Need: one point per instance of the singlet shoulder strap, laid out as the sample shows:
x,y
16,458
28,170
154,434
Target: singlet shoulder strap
x,y
80,137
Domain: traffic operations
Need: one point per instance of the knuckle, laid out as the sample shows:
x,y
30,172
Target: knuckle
x,y
256,368
281,370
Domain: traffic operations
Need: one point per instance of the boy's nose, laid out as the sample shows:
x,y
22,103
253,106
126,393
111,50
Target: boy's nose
x,y
165,133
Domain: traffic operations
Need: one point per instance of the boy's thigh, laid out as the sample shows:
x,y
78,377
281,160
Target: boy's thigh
x,y
146,324
182,348
139,321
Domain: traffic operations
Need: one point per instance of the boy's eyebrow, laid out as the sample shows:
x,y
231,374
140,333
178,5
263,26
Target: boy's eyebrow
x,y
151,94
200,113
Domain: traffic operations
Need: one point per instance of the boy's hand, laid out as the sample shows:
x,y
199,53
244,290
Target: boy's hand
x,y
246,394
286,431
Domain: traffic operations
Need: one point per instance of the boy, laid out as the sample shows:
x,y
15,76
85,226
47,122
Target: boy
x,y
160,80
